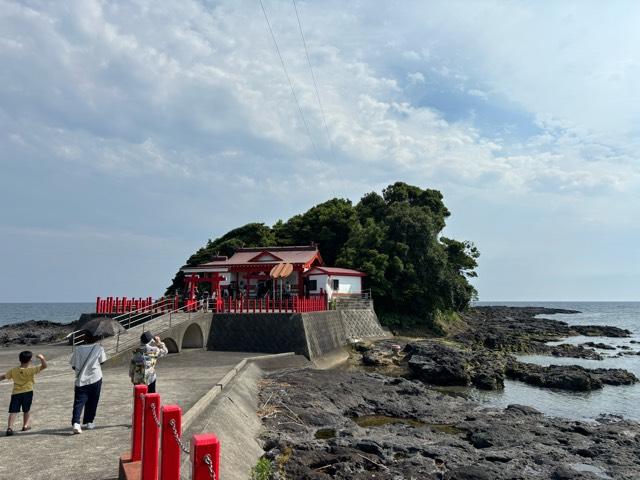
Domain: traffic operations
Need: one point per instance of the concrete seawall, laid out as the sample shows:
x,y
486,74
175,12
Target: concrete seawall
x,y
317,335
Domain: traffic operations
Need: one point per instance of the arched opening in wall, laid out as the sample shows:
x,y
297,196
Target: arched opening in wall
x,y
193,337
171,345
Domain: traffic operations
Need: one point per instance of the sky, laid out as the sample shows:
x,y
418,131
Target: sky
x,y
133,131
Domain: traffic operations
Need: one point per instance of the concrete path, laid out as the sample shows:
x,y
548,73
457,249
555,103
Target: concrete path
x,y
51,452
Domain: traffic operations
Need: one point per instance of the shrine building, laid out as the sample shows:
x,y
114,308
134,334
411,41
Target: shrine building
x,y
271,272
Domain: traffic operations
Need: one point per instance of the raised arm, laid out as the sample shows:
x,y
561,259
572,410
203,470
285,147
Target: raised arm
x,y
43,362
162,348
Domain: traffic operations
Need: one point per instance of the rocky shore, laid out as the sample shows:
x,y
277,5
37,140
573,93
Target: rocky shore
x,y
483,354
34,332
356,426
387,420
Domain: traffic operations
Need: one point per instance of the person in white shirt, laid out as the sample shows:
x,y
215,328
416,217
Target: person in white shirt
x,y
86,361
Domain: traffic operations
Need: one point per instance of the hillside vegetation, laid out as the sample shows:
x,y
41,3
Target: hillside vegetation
x,y
417,276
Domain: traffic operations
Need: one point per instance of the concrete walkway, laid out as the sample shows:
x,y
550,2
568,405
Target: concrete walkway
x,y
51,452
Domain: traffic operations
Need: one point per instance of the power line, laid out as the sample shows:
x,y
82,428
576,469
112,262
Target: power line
x,y
313,77
293,92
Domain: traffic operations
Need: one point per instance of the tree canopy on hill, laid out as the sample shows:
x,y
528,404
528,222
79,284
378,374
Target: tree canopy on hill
x,y
394,238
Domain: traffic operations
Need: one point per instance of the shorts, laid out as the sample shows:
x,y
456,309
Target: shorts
x,y
19,400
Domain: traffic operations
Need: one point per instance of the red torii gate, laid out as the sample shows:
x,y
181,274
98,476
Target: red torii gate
x,y
193,280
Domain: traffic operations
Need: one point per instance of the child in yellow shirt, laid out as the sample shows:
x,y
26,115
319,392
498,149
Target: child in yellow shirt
x,y
22,395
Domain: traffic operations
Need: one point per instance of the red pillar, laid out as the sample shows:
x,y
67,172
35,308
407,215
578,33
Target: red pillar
x,y
136,421
169,448
202,447
98,305
150,437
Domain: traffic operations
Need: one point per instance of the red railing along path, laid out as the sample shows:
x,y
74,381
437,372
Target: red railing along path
x,y
157,436
318,303
139,391
171,442
108,305
205,457
150,437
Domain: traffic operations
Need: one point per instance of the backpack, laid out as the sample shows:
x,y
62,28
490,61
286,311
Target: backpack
x,y
141,368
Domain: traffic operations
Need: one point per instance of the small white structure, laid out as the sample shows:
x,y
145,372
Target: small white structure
x,y
334,281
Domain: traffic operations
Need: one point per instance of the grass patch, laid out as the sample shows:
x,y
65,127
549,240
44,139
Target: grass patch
x,y
262,470
437,324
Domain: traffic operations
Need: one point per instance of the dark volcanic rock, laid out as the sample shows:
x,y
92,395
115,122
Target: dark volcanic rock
x,y
516,329
423,434
33,332
440,364
574,351
601,346
568,377
600,331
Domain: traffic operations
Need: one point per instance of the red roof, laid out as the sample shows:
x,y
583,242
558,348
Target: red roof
x,y
264,256
345,272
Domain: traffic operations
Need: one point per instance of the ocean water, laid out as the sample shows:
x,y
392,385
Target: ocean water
x,y
622,400
54,312
616,400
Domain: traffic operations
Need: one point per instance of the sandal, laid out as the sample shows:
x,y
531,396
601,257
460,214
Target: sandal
x,y
26,429
9,432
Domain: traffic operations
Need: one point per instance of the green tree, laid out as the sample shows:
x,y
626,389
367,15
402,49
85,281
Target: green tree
x,y
395,238
327,224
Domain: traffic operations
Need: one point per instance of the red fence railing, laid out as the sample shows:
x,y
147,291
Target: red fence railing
x,y
157,442
270,305
125,304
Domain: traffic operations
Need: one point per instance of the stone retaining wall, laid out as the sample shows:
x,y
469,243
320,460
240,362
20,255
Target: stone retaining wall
x,y
265,333
310,334
324,332
362,324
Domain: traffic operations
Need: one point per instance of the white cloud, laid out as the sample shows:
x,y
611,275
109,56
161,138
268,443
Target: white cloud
x,y
189,97
415,78
147,87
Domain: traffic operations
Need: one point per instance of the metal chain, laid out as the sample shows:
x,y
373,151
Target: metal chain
x,y
209,463
153,413
183,447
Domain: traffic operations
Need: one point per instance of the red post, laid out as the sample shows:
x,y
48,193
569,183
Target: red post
x,y
203,447
169,448
150,437
98,305
124,304
136,421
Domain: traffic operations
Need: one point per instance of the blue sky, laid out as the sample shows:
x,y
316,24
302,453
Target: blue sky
x,y
131,132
